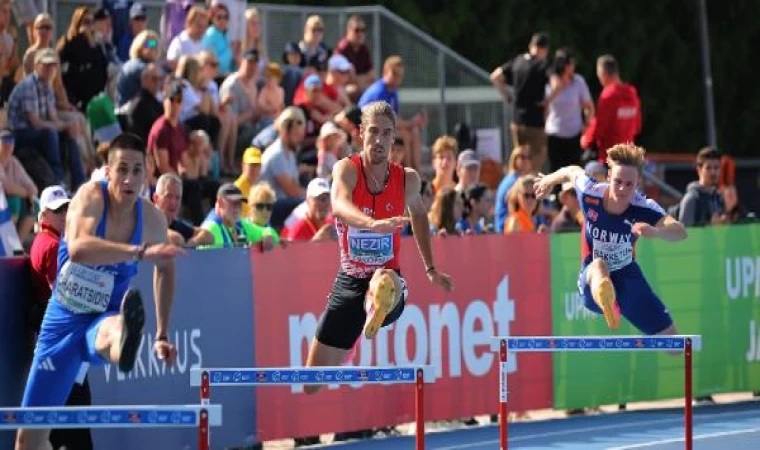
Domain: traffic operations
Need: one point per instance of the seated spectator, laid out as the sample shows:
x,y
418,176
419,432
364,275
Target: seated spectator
x,y
253,39
138,22
292,71
468,170
312,45
447,209
522,207
570,217
144,50
520,164
216,39
20,190
168,137
261,202
338,72
239,93
478,207
168,199
189,41
236,26
386,89
316,224
349,121
32,117
9,52
194,171
272,96
596,171
445,150
82,59
319,100
198,109
353,46
735,211
398,152
224,221
250,175
142,111
173,21
228,123
703,205
330,149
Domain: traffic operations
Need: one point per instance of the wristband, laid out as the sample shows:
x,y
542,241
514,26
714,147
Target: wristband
x,y
161,338
140,253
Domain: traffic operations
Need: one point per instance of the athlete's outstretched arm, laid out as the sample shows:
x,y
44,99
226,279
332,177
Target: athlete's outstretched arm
x,y
421,229
545,183
667,228
85,211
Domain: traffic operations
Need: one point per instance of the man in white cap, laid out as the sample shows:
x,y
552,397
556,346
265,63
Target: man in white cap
x,y
316,224
468,170
43,255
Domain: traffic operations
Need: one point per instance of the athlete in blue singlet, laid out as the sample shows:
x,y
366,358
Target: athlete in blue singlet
x,y
615,216
92,316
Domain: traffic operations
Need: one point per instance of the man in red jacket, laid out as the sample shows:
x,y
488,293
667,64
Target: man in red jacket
x,y
618,111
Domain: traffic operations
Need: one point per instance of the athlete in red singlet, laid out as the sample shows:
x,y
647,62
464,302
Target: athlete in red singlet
x,y
369,198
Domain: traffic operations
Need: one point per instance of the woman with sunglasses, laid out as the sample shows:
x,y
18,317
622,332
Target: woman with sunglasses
x,y
312,47
217,40
523,207
261,201
144,50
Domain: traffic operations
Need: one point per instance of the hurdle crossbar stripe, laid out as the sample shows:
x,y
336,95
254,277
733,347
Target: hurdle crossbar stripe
x,y
129,416
288,376
599,343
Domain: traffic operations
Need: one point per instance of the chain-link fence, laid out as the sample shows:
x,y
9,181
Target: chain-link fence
x,y
446,86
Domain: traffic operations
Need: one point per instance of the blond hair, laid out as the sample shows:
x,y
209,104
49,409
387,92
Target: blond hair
x,y
517,190
393,62
261,191
139,43
378,108
513,156
627,155
194,13
444,143
252,14
311,22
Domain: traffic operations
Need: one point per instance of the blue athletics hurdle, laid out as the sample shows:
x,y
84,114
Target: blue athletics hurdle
x,y
530,344
288,376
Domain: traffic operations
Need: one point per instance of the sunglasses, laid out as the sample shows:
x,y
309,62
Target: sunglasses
x,y
317,30
529,196
44,27
264,206
359,30
151,43
222,17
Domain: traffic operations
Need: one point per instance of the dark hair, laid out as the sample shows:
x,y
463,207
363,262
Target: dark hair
x,y
562,58
540,40
706,154
471,195
126,141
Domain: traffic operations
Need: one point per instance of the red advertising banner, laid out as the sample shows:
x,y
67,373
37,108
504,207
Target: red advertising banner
x,y
502,287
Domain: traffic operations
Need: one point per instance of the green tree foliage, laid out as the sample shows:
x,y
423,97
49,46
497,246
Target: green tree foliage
x,y
657,43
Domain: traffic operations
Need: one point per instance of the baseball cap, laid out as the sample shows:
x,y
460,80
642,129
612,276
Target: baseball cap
x,y
468,158
329,129
53,197
317,187
230,192
137,11
252,155
46,56
312,82
339,63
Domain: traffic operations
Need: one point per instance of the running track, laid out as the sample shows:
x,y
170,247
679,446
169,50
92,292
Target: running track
x,y
734,426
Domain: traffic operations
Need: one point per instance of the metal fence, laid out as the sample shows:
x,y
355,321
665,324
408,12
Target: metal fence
x,y
447,87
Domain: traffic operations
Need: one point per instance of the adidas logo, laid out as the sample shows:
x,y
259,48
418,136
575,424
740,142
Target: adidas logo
x,y
46,364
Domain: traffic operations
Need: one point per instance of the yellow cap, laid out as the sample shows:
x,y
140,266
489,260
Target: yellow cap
x,y
252,155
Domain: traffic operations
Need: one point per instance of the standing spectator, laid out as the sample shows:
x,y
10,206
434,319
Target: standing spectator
x,y
239,93
35,124
138,22
189,42
618,111
224,221
569,107
316,224
468,170
445,150
527,74
703,205
522,207
217,40
250,175
143,110
519,165
386,89
194,170
312,46
478,205
570,217
353,46
144,51
43,257
20,190
168,137
168,199
82,59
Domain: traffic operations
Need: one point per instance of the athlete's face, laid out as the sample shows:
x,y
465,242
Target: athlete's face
x,y
126,172
623,183
377,136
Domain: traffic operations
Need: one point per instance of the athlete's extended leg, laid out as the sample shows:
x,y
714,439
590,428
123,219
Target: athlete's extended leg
x,y
323,355
385,291
117,337
603,291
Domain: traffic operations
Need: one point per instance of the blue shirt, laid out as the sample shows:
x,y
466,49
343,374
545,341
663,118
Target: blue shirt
x,y
501,211
217,41
379,91
129,83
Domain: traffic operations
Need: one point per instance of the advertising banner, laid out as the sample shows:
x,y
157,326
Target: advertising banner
x,y
710,284
501,288
211,326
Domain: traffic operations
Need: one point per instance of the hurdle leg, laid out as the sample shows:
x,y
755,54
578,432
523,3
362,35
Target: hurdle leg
x,y
688,425
503,411
204,436
419,411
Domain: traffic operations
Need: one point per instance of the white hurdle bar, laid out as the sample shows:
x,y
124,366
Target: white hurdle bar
x,y
564,344
123,416
205,377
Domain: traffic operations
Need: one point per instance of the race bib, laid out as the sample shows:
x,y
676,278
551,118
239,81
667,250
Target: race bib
x,y
368,247
615,254
84,290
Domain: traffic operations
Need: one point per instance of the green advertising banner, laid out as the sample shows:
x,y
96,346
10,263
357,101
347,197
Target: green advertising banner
x,y
711,285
